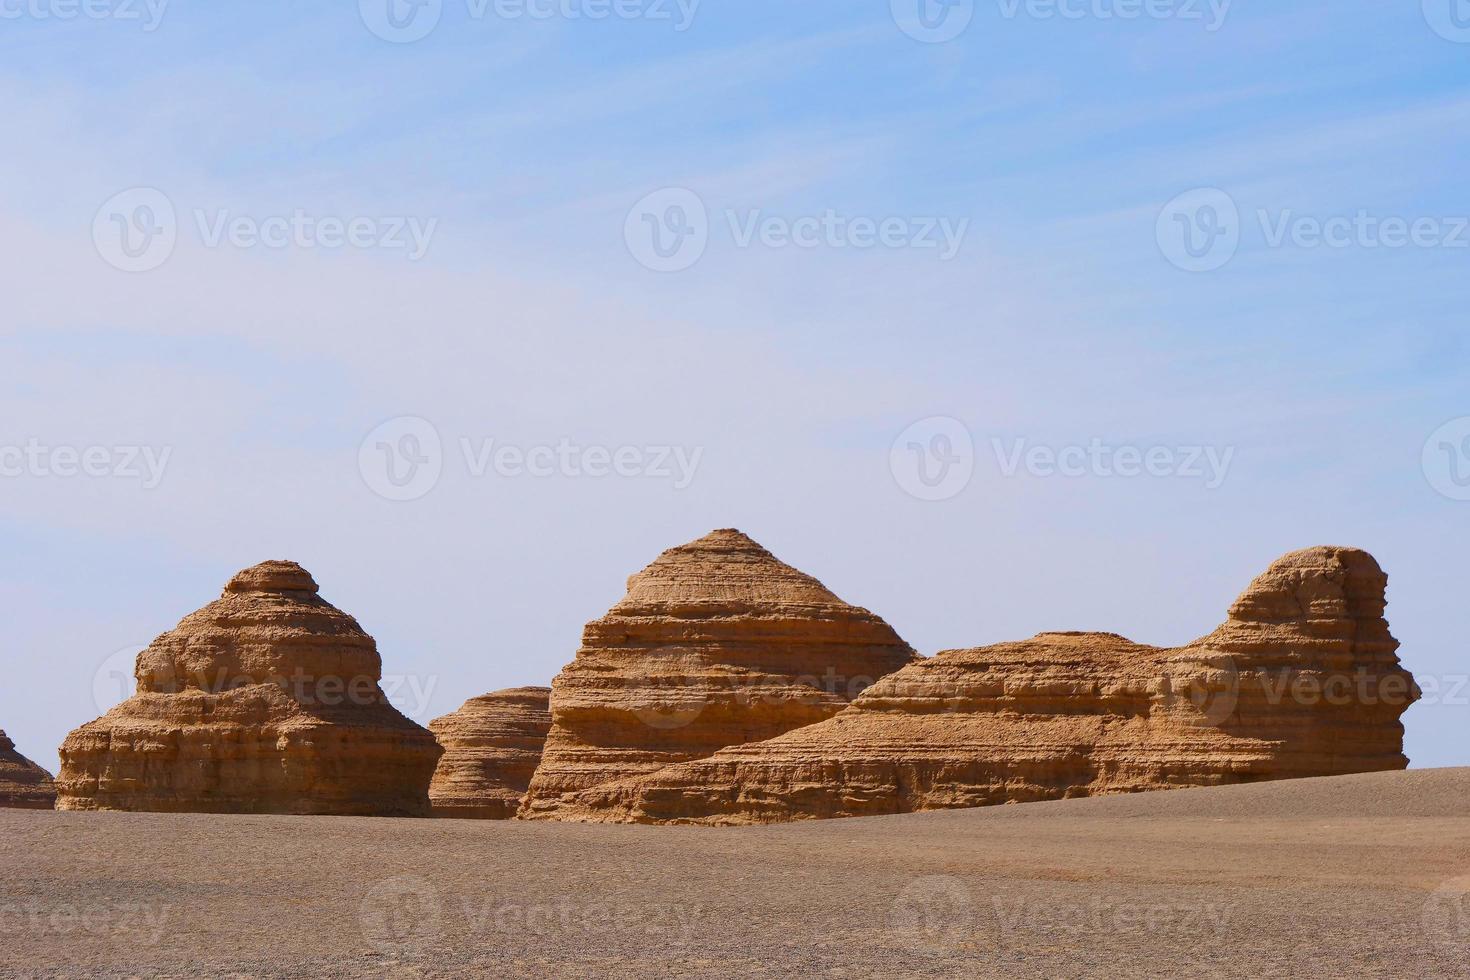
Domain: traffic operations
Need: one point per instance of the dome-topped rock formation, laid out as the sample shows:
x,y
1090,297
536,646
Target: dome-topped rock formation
x,y
23,784
267,700
716,643
491,747
1301,680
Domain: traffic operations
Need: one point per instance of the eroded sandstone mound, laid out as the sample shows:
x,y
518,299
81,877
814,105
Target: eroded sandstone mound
x,y
265,701
716,643
1301,680
23,784
491,747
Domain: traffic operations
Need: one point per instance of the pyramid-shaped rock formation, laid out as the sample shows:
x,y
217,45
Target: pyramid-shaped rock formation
x,y
265,701
716,643
23,784
1301,680
491,747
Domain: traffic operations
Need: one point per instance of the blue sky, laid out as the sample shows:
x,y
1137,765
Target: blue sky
x,y
1057,142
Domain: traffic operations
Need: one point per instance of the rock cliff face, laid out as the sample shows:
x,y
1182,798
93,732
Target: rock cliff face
x,y
716,643
264,701
491,748
1301,680
23,784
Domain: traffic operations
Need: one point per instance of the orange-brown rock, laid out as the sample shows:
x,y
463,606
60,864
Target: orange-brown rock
x,y
491,747
23,784
716,643
265,701
1301,680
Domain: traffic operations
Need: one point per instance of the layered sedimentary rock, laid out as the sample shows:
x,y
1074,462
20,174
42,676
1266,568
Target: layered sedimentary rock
x,y
265,701
23,784
491,748
716,643
1301,680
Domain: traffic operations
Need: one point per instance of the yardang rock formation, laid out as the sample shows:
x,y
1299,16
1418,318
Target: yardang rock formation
x,y
716,643
265,701
23,784
1301,680
491,747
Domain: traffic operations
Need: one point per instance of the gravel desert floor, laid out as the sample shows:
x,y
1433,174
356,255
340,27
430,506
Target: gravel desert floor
x,y
1348,876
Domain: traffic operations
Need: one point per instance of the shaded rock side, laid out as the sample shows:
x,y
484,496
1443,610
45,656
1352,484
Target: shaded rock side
x,y
491,748
1301,680
265,701
716,643
23,784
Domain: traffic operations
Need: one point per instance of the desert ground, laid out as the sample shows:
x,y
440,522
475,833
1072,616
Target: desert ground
x,y
1342,876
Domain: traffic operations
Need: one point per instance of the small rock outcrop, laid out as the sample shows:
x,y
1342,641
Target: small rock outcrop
x,y
1301,680
491,748
265,701
23,784
716,643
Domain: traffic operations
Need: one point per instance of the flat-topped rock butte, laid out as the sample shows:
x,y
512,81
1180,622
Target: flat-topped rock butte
x,y
267,700
491,747
23,784
1301,680
716,643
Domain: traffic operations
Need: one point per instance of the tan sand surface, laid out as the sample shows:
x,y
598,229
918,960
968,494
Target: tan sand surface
x,y
1342,876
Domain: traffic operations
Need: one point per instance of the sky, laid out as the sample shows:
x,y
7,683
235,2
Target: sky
x,y
997,316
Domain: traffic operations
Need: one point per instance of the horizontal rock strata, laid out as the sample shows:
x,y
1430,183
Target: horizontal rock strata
x,y
23,784
716,643
264,701
1301,680
491,748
